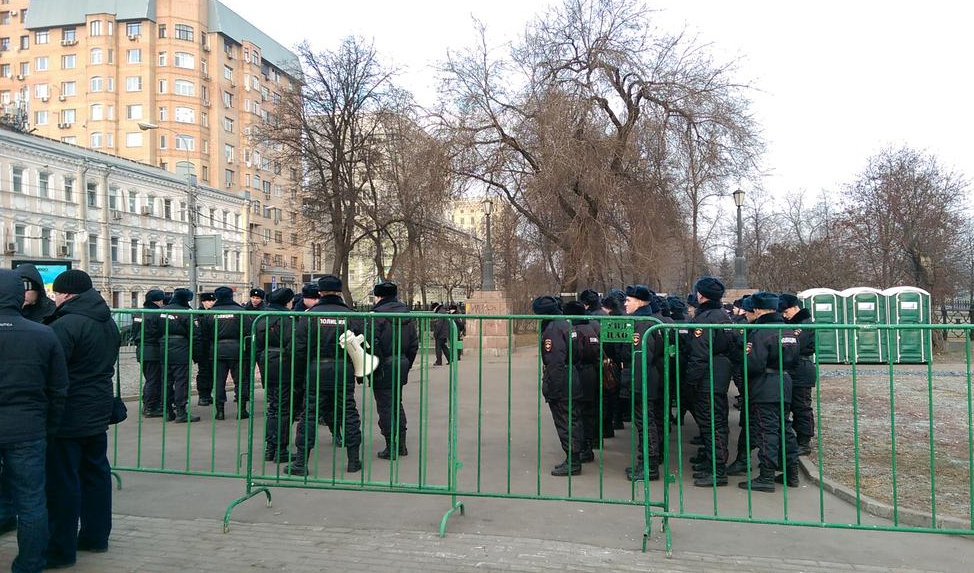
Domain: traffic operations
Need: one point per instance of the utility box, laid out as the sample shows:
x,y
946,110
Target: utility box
x,y
826,307
909,305
866,306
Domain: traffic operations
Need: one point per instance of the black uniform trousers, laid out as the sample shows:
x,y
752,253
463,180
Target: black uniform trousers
x,y
767,436
651,431
568,421
204,374
332,403
79,488
442,348
177,384
277,388
624,404
387,390
803,414
241,382
152,386
610,397
714,429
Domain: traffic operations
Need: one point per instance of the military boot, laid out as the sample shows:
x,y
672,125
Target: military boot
x,y
637,474
707,479
183,417
567,467
738,468
299,465
804,448
764,482
219,413
354,463
792,476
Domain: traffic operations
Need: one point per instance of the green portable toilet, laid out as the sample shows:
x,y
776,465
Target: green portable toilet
x,y
867,306
909,305
826,307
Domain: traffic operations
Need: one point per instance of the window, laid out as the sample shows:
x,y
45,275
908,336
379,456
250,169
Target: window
x,y
185,143
94,28
228,73
163,113
69,61
278,237
40,118
226,219
184,88
163,86
96,56
169,252
133,29
134,251
4,44
162,30
5,70
152,253
133,201
133,111
228,152
97,84
43,184
69,35
227,99
133,139
162,59
228,125
97,114
267,236
20,238
92,247
206,170
167,208
133,84
294,238
236,260
184,60
24,42
68,116
185,115
5,17
41,64
162,145
69,88
25,68
113,196
72,140
133,56
182,211
69,189
236,221
226,260
92,194
45,242
150,204
18,179
228,177
277,191
184,32
114,244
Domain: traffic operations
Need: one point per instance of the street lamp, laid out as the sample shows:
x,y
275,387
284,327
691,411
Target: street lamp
x,y
740,281
191,203
488,270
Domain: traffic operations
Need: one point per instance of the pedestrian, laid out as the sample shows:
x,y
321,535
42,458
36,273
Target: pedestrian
x,y
769,391
639,303
146,329
330,379
226,333
586,335
79,482
461,330
176,328
273,339
203,354
441,336
803,376
396,343
37,306
560,383
33,389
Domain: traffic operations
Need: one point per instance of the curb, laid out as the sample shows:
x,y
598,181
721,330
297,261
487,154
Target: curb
x,y
908,517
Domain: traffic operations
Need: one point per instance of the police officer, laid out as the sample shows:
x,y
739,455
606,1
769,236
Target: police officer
x,y
803,374
639,304
396,343
611,374
560,383
273,338
586,335
708,349
441,336
326,362
148,336
748,428
623,410
175,331
203,355
309,298
769,391
225,332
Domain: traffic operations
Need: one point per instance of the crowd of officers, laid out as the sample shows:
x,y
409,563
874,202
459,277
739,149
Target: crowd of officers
x,y
772,369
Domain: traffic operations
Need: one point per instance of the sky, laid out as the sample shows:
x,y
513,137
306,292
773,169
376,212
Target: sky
x,y
833,82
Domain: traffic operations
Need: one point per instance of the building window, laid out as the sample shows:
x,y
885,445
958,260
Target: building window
x,y
228,73
185,143
20,239
4,44
97,114
228,177
69,61
18,179
69,35
133,84
133,29
94,28
69,189
163,86
227,99
133,111
93,247
278,237
69,88
227,125
113,198
41,64
169,252
42,37
236,260
40,118
92,194
184,60
294,239
228,152
133,201
25,68
133,56
69,243
152,253
45,242
162,30
5,70
68,116
133,139
184,88
184,32
163,145
162,59
163,113
114,243
24,42
185,115
43,184
96,56
97,84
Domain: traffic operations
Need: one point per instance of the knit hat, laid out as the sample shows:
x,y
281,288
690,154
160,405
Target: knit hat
x,y
386,289
309,291
546,305
281,296
72,282
182,295
639,292
710,288
155,295
574,308
329,283
788,300
223,293
258,292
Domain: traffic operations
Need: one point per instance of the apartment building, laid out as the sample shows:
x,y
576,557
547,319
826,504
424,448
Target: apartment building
x,y
180,84
124,222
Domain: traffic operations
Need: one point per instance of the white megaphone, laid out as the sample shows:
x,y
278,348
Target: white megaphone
x,y
363,362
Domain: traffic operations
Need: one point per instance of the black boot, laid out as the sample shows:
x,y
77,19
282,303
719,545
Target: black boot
x,y
701,457
219,413
586,456
387,453
697,440
277,457
354,463
182,416
710,480
763,483
792,477
153,412
738,468
299,465
638,475
243,414
804,449
567,467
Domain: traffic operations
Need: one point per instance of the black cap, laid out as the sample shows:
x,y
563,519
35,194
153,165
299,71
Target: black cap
x,y
182,295
72,282
788,300
207,296
575,308
258,292
640,292
765,300
155,295
590,298
386,289
329,283
309,291
546,305
224,293
710,288
281,296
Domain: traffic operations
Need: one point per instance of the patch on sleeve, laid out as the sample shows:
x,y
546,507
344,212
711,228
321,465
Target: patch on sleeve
x,y
798,332
750,345
789,340
698,332
547,345
635,339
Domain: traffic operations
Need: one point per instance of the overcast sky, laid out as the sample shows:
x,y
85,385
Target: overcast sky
x,y
836,81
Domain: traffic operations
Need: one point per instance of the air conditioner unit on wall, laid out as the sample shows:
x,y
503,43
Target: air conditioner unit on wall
x,y
62,251
165,261
10,249
117,215
146,211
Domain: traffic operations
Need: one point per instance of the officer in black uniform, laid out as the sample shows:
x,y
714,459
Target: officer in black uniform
x,y
225,331
714,347
203,355
769,391
623,411
803,374
330,379
737,316
639,304
739,466
146,330
441,335
273,336
396,343
257,303
586,334
560,383
175,329
611,374
309,298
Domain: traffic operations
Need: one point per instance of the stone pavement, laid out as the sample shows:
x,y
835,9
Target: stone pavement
x,y
150,545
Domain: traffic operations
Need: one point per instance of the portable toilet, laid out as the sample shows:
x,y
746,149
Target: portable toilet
x,y
866,306
909,305
826,307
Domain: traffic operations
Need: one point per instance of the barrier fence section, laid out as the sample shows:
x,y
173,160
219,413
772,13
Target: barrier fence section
x,y
613,388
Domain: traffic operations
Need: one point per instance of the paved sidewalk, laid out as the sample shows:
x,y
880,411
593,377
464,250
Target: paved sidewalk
x,y
150,545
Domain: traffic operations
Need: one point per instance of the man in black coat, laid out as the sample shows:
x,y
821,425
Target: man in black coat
x,y
396,343
203,354
309,298
639,304
79,482
330,379
257,303
33,388
441,336
770,354
274,336
560,383
226,332
37,306
145,327
803,375
611,373
175,330
585,333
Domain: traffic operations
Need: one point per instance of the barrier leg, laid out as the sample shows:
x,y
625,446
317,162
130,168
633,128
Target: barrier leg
x,y
118,480
250,493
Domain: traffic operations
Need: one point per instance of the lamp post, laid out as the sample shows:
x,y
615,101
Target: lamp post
x,y
191,205
740,282
488,270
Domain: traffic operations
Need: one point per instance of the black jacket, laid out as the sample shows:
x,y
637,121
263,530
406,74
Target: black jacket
x,y
316,340
587,333
148,334
175,331
803,373
768,381
44,307
90,339
274,334
34,375
654,354
441,327
225,330
394,340
725,348
561,355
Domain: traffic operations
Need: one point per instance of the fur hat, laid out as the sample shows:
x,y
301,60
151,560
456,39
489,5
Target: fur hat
x,y
309,291
788,300
546,305
329,283
386,289
765,301
223,294
710,288
281,296
575,308
639,292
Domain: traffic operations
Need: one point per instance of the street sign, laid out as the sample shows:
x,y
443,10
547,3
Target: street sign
x,y
273,282
617,332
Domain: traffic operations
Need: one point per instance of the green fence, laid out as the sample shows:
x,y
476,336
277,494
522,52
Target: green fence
x,y
480,427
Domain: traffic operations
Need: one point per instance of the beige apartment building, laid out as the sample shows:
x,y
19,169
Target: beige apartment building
x,y
181,84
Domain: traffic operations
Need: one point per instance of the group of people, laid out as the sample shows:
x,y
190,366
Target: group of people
x,y
773,370
56,403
